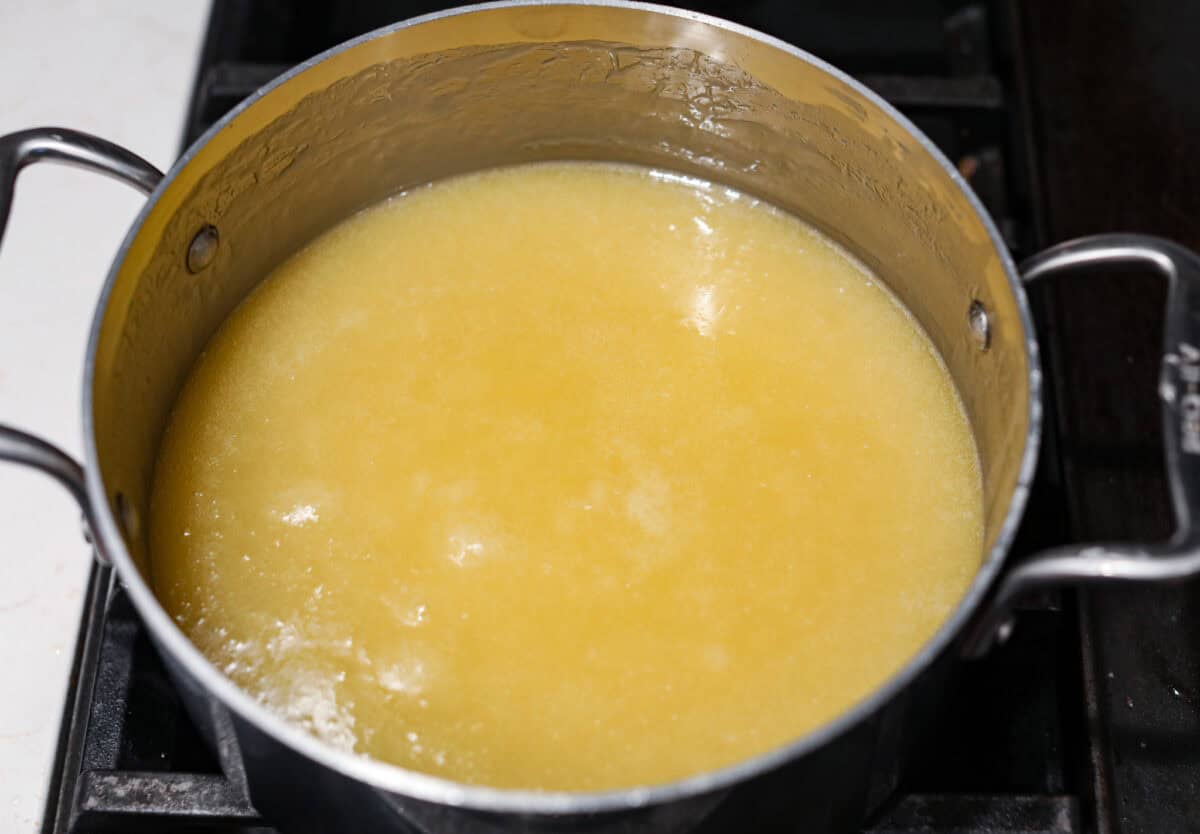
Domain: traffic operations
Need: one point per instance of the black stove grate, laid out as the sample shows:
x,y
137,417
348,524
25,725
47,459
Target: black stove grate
x,y
1010,753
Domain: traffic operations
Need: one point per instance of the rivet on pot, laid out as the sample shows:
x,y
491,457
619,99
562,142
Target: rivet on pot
x,y
1004,631
981,325
203,249
127,517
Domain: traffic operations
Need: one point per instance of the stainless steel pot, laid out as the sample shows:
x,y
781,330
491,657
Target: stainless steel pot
x,y
513,82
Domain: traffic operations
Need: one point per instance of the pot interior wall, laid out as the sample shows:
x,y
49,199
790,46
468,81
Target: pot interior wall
x,y
513,85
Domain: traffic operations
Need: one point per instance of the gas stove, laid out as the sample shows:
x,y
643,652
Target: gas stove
x,y
1088,719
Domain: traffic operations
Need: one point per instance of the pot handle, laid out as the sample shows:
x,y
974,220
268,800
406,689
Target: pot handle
x,y
1178,558
41,144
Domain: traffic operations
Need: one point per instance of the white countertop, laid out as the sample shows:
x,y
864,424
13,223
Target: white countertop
x,y
121,69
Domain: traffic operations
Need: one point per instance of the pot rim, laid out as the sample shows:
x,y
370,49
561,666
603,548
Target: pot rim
x,y
434,789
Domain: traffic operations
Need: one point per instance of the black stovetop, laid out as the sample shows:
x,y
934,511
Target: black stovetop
x,y
1088,719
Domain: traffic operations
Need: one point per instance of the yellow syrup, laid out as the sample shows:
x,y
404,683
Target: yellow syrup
x,y
566,476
